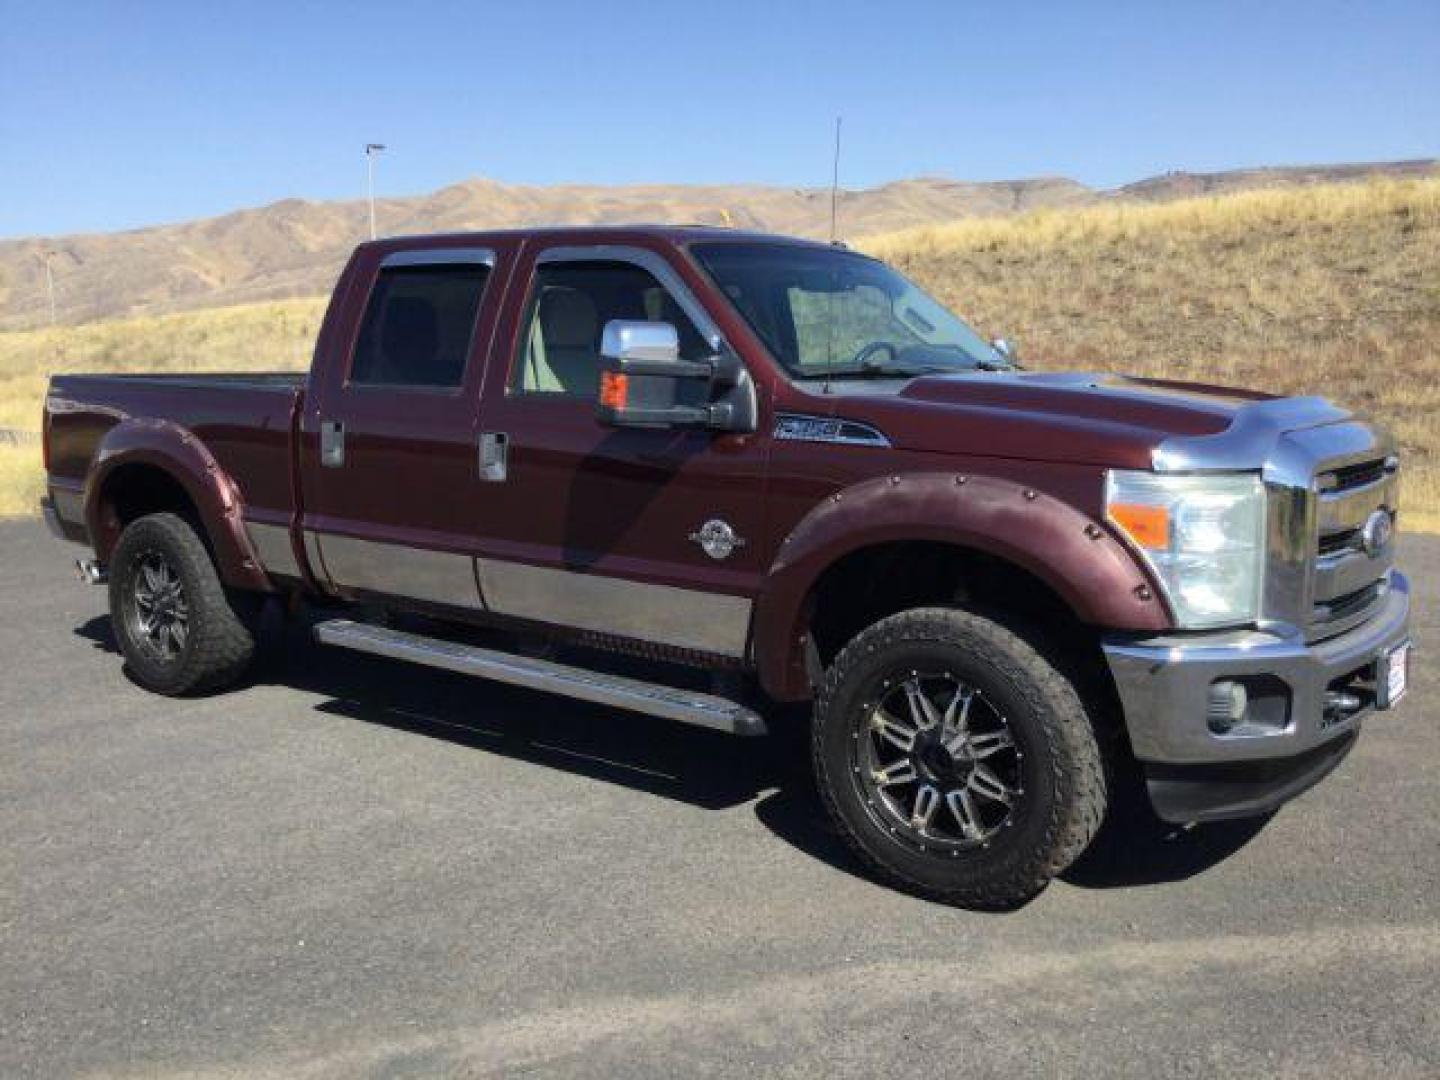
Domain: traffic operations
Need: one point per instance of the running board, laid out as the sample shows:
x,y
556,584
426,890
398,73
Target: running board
x,y
654,699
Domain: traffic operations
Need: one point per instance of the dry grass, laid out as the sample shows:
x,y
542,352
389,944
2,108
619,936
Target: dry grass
x,y
260,337
263,337
1331,290
1328,289
21,479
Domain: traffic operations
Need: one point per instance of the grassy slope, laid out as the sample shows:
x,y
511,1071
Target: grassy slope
x,y
1331,290
262,337
1326,289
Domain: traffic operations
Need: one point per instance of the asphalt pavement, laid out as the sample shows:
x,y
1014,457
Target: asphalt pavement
x,y
351,867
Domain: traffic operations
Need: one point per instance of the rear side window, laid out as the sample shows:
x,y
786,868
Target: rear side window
x,y
417,326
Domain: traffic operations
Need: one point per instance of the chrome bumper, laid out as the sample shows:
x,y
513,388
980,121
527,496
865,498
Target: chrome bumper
x,y
1164,685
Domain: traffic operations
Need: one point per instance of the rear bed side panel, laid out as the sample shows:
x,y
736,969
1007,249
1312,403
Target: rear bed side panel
x,y
224,439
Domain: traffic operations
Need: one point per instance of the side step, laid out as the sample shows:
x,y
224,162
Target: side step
x,y
654,699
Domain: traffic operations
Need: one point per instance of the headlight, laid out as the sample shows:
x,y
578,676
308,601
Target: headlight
x,y
1204,536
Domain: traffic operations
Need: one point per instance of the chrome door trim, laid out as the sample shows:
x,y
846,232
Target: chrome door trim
x,y
683,618
439,257
439,577
272,544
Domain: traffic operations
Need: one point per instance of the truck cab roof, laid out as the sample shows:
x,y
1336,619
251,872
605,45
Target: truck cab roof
x,y
677,235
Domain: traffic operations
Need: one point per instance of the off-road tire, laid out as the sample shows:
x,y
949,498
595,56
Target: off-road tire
x,y
218,643
1064,780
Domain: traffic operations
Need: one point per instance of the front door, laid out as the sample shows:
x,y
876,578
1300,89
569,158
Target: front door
x,y
391,464
606,529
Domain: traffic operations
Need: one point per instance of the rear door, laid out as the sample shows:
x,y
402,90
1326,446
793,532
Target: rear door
x,y
599,528
390,461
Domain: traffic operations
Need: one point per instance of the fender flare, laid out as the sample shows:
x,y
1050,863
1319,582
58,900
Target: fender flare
x,y
180,455
1079,559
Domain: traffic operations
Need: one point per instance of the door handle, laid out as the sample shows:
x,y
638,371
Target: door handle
x,y
494,455
332,443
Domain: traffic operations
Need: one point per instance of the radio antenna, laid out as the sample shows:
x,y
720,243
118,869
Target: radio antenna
x,y
835,182
834,206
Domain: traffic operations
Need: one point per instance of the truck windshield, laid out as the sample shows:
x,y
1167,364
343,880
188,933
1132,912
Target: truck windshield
x,y
832,313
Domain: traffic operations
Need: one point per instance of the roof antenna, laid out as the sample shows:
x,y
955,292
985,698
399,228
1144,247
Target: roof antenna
x,y
834,207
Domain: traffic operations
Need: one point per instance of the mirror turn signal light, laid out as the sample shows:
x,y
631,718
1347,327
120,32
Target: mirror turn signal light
x,y
614,389
1147,526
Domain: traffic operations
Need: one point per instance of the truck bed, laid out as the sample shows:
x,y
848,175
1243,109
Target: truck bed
x,y
253,380
243,419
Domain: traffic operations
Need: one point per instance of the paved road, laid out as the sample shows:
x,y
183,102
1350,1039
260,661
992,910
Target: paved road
x,y
354,868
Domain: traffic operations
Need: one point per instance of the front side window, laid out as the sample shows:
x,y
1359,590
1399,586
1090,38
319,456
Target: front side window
x,y
831,313
570,303
417,326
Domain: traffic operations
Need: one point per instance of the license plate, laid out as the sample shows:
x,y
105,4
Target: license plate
x,y
1395,675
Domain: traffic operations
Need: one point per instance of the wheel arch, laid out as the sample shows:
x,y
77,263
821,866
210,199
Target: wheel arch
x,y
946,529
150,466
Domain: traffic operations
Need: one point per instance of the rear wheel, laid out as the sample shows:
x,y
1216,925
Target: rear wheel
x,y
171,614
958,762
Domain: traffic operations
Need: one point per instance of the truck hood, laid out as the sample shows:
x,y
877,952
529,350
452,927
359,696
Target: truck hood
x,y
1099,419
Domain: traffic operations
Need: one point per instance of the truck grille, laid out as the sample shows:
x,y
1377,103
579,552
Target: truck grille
x,y
1349,581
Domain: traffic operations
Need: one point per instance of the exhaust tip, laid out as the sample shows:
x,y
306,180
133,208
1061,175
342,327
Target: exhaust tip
x,y
91,572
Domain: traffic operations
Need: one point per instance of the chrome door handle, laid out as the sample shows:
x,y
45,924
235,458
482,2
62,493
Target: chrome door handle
x,y
332,443
494,455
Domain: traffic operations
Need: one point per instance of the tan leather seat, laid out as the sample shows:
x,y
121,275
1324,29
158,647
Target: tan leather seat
x,y
563,353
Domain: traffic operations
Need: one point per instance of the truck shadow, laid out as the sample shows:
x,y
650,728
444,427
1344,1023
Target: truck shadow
x,y
702,768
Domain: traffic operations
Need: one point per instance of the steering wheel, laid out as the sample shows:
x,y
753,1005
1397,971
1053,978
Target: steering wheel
x,y
862,357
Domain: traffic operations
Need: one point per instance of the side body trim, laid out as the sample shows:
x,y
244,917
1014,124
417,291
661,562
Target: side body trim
x,y
272,545
438,577
683,618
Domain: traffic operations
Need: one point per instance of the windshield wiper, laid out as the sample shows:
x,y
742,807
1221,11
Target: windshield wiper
x,y
880,370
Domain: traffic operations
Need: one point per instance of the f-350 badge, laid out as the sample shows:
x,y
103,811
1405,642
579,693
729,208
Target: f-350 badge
x,y
717,539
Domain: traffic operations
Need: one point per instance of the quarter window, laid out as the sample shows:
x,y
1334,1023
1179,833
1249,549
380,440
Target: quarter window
x,y
418,325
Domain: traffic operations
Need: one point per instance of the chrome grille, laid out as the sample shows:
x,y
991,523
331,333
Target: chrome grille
x,y
1348,580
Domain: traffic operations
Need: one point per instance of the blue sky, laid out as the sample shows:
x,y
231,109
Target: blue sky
x,y
126,114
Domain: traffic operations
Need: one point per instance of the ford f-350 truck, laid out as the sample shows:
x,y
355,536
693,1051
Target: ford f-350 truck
x,y
783,463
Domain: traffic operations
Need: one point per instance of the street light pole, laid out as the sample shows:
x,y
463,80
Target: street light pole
x,y
371,149
45,257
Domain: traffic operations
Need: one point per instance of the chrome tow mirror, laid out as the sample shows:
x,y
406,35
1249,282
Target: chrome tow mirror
x,y
641,376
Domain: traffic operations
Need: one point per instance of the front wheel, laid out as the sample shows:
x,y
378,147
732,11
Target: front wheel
x,y
958,762
171,615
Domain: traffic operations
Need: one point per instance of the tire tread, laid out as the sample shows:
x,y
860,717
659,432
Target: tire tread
x,y
222,645
1079,765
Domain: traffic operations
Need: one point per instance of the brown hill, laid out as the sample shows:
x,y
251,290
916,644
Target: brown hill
x,y
295,247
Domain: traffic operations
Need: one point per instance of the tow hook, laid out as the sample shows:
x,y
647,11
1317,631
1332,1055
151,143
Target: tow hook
x,y
1341,704
91,571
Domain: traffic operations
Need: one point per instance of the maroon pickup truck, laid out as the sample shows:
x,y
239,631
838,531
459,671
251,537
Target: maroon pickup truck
x,y
781,463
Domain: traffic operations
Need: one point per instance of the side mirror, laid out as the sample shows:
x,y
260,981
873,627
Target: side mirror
x,y
1005,349
641,376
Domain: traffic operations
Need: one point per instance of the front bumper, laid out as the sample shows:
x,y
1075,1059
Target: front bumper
x,y
1195,773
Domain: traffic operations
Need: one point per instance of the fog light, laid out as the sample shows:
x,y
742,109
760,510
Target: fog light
x,y
1226,705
